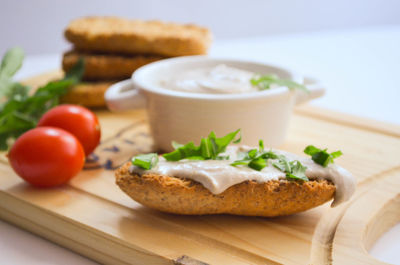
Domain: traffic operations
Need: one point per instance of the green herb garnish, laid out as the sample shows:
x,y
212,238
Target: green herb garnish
x,y
209,148
264,82
19,111
294,169
255,159
147,161
321,157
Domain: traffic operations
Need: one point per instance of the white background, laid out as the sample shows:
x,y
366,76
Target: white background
x,y
37,25
352,46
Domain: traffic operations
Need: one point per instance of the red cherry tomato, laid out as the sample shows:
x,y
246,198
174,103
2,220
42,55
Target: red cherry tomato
x,y
47,156
79,121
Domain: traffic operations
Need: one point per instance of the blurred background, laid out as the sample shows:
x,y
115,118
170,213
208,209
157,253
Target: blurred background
x,y
37,25
353,46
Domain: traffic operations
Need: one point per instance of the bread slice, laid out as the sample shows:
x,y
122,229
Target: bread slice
x,y
88,94
185,196
100,67
112,34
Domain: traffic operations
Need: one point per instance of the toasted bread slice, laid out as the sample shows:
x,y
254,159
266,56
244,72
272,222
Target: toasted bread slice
x,y
112,34
100,67
185,196
90,94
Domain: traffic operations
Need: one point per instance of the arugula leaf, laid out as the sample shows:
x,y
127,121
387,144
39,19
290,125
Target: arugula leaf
x,y
146,161
20,112
321,157
209,148
264,82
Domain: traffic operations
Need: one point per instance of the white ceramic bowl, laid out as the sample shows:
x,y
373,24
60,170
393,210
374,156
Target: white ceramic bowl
x,y
184,117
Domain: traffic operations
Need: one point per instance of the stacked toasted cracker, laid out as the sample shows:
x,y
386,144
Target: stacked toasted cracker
x,y
113,48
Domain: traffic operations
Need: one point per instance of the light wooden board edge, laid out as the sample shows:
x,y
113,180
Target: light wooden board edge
x,y
349,120
85,249
332,231
82,249
373,213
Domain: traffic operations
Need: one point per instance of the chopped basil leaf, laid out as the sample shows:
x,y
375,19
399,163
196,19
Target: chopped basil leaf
x,y
294,169
269,155
261,146
146,161
336,154
243,162
298,171
195,158
283,165
176,145
209,148
221,157
255,159
264,82
321,157
252,153
258,163
258,159
238,140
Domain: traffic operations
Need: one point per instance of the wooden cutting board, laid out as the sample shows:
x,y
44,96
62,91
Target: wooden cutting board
x,y
93,217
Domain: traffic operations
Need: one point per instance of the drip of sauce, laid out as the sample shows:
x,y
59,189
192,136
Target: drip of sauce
x,y
218,175
220,79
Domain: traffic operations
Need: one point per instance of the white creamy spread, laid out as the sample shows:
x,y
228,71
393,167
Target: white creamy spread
x,y
220,79
218,175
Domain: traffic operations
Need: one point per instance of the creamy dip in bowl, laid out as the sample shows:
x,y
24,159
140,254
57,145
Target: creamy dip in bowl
x,y
187,97
220,79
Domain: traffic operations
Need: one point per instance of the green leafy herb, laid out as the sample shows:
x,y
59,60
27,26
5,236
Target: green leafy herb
x,y
19,111
209,148
258,163
264,82
147,161
176,145
258,159
255,159
294,169
321,157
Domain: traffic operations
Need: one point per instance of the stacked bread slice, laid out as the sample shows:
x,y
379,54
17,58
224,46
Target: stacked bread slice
x,y
113,48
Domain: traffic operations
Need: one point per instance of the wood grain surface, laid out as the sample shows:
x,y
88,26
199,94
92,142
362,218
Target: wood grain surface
x,y
93,217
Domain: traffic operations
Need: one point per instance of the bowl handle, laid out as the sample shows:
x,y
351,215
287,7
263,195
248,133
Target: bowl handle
x,y
124,96
315,89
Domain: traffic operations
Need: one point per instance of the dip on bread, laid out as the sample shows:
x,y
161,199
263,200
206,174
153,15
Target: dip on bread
x,y
219,175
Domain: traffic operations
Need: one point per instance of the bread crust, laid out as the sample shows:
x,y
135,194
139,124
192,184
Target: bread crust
x,y
112,34
188,197
100,67
89,94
